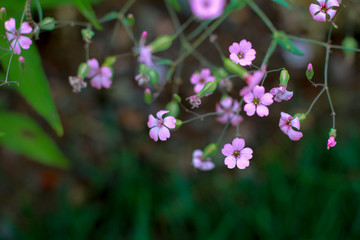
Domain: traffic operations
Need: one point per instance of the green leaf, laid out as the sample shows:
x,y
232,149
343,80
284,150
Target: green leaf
x,y
34,86
283,3
164,62
235,5
175,4
24,136
85,8
285,43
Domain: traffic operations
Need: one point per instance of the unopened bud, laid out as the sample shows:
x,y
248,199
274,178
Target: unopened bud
x,y
332,132
22,63
301,116
130,19
48,24
284,77
309,72
83,70
210,150
234,68
208,88
162,43
2,14
178,123
153,76
349,42
147,96
87,34
177,97
173,108
109,61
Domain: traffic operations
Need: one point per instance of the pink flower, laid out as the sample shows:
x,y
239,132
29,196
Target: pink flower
x,y
145,52
252,80
257,101
331,142
236,154
159,126
200,163
199,80
323,12
207,9
100,77
228,107
194,100
281,94
286,124
242,53
16,39
309,67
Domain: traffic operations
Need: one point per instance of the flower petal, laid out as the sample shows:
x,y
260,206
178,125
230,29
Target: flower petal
x,y
152,122
332,3
25,42
234,48
314,8
154,133
197,153
249,98
242,163
331,13
160,113
294,135
320,17
238,144
267,99
249,109
246,153
258,91
10,25
262,110
25,28
230,162
207,165
227,150
295,123
195,78
164,133
169,122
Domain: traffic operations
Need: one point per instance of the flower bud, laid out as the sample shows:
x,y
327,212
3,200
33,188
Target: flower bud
x,y
178,123
83,70
2,14
220,73
284,77
48,24
234,68
153,76
22,63
309,72
349,42
162,43
87,34
109,61
332,132
301,116
147,96
210,150
177,97
208,88
173,108
130,19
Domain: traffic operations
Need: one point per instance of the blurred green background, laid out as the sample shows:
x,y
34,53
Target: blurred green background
x,y
123,185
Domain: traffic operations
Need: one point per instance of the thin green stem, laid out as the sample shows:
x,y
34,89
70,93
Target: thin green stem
x,y
315,100
223,132
201,117
307,40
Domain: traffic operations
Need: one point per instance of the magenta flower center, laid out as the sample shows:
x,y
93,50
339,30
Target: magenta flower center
x,y
160,122
236,153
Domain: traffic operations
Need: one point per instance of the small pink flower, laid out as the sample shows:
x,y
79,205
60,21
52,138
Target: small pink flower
x,y
145,52
207,9
194,100
236,154
309,67
281,94
159,126
331,142
257,100
324,11
200,163
228,107
286,124
21,59
16,38
252,80
100,77
199,80
242,53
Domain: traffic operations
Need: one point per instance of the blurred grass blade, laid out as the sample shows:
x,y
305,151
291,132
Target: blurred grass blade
x,y
24,136
175,4
85,8
285,43
283,3
34,86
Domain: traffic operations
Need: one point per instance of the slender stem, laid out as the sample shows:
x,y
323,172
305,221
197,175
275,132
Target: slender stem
x,y
223,131
345,48
315,100
8,69
331,107
307,40
198,30
201,117
262,15
269,52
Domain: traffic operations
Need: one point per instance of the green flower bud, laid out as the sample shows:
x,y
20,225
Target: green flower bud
x,y
48,24
301,116
178,123
234,68
209,87
109,61
309,72
161,43
87,34
177,97
83,70
2,14
210,150
173,108
349,42
284,77
153,76
130,20
220,73
332,132
147,96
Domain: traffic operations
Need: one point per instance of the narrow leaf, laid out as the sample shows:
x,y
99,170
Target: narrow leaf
x,y
86,10
285,43
283,3
24,136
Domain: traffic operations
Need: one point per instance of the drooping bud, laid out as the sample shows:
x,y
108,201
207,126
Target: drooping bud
x,y
234,68
331,141
162,43
301,116
194,100
147,96
48,24
309,72
284,77
210,150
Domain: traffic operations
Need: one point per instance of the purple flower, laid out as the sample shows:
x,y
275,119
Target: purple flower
x,y
100,77
236,154
242,53
252,80
281,94
159,126
324,11
207,9
199,80
286,124
200,163
194,100
16,39
228,107
257,100
331,142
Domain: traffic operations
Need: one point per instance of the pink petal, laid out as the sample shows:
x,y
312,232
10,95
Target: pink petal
x,y
331,13
234,57
245,46
295,123
106,72
10,36
197,153
285,116
152,121
169,122
195,78
207,165
25,28
205,73
320,17
249,109
154,133
96,82
198,87
25,42
250,55
106,82
234,48
332,3
242,163
314,8
230,162
160,113
262,110
15,46
244,62
238,144
294,135
321,2
249,98
226,102
196,162
227,150
94,67
10,25
267,99
246,153
164,133
258,91
285,128
236,119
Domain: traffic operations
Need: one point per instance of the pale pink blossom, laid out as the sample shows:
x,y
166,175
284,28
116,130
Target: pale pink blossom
x,y
145,52
242,53
324,11
207,9
100,76
199,80
236,154
257,101
252,80
287,123
159,127
228,108
200,162
16,38
331,142
281,94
